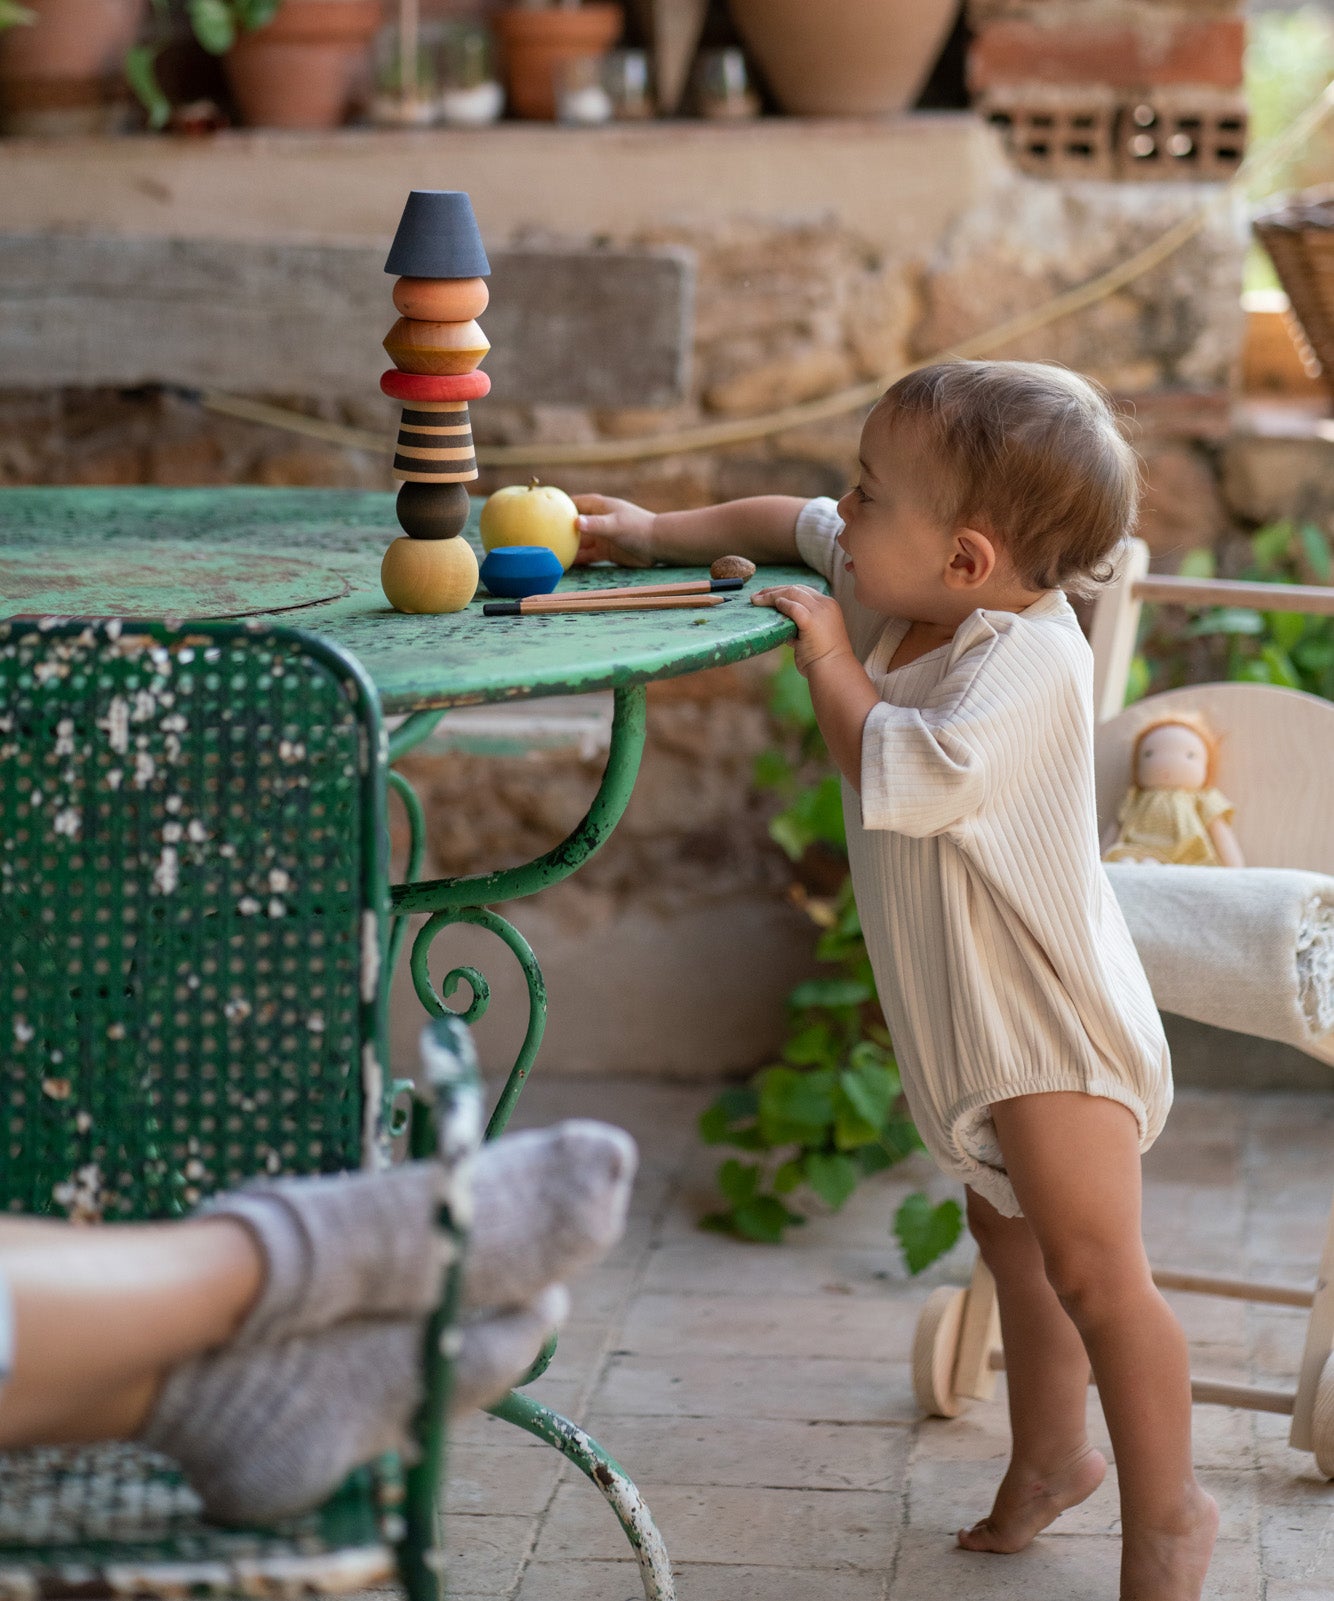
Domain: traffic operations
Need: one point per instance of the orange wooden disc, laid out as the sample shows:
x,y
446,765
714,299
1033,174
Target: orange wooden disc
x,y
434,386
441,299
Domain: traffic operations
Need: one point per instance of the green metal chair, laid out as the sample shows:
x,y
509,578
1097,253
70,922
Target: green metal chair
x,y
193,896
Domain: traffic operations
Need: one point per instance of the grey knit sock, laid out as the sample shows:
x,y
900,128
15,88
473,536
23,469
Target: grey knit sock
x,y
546,1203
355,1245
262,1434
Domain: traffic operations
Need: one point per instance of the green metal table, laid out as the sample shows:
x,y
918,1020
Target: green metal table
x,y
312,558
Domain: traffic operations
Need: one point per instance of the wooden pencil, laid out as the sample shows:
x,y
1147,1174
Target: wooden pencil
x,y
688,586
625,600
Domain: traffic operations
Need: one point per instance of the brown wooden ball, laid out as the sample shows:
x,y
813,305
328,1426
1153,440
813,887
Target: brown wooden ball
x,y
432,511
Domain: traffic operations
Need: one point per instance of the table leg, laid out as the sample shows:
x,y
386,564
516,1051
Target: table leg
x,y
469,900
655,1568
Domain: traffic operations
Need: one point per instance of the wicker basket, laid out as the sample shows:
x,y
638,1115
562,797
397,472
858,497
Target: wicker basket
x,y
1300,240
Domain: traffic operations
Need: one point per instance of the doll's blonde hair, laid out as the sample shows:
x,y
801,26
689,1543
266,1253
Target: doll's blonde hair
x,y
1196,724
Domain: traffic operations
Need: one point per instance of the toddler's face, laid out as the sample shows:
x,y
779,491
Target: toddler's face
x,y
897,549
1171,757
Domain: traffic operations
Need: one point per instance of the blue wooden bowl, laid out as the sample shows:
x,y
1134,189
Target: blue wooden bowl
x,y
518,570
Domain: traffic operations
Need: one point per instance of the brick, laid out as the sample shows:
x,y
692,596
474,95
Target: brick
x,y
1194,135
1177,415
1186,51
1057,132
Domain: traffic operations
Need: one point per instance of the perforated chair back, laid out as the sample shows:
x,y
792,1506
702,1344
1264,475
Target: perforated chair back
x,y
192,896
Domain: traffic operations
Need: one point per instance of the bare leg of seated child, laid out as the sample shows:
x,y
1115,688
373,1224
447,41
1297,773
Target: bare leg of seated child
x,y
275,1343
1075,1165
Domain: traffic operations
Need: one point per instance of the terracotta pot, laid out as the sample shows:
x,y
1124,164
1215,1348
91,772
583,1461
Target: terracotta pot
x,y
302,69
62,73
536,42
844,58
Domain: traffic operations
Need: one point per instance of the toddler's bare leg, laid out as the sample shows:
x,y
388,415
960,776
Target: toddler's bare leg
x,y
102,1314
1052,1465
1074,1162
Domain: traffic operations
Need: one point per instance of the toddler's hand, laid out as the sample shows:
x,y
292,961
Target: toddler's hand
x,y
613,530
821,630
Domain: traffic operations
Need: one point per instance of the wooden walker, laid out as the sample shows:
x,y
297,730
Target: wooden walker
x,y
1279,751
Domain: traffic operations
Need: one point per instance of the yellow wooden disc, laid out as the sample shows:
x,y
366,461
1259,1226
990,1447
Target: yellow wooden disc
x,y
436,347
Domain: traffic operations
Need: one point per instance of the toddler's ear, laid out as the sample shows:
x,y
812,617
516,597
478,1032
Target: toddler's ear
x,y
972,559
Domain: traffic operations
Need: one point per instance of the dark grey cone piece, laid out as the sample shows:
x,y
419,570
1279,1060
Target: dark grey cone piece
x,y
438,237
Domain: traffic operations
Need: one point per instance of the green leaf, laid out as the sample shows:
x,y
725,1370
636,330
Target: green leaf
x,y
1270,544
872,1089
901,1138
787,1176
1228,620
255,13
772,770
816,1044
739,1181
1281,670
1316,549
832,992
214,25
764,1219
1201,563
1137,679
873,1159
926,1232
795,1106
140,65
833,1178
734,1105
790,696
1285,628
15,16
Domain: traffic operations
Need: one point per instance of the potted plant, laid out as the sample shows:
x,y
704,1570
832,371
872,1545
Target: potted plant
x,y
539,36
288,63
60,63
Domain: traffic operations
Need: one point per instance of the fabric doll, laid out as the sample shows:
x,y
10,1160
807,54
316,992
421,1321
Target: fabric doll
x,y
1171,812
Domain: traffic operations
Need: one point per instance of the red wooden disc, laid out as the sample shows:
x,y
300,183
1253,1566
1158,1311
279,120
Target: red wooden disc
x,y
433,386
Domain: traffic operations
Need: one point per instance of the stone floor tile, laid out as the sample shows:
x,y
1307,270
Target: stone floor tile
x,y
503,1479
711,1264
829,1325
1070,1568
758,1386
759,1452
696,1581
724,1524
486,1552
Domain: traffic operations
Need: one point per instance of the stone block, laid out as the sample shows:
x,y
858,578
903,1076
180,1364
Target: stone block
x,y
1265,477
784,382
1174,50
1176,414
1182,508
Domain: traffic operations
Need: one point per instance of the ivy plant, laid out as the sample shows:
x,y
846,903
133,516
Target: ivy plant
x,y
829,1112
1291,649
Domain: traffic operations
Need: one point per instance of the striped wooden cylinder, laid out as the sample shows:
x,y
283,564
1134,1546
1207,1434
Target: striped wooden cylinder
x,y
435,444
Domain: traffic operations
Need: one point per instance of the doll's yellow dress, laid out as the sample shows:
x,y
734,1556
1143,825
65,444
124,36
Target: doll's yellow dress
x,y
1169,825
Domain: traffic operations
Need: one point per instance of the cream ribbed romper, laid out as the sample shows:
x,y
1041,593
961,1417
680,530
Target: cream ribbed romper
x,y
1002,960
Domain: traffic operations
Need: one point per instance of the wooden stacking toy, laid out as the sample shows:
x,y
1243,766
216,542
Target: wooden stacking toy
x,y
436,347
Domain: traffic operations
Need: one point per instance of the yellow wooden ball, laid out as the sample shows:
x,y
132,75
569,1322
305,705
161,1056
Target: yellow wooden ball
x,y
429,575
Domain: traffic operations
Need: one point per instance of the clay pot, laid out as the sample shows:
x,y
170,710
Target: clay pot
x,y
302,69
536,42
63,73
844,58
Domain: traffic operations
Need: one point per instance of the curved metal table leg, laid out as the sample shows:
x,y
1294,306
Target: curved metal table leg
x,y
655,1568
469,900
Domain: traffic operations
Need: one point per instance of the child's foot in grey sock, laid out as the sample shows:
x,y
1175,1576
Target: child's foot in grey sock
x,y
357,1245
264,1433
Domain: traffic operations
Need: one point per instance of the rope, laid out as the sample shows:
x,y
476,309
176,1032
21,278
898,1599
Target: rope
x,y
714,436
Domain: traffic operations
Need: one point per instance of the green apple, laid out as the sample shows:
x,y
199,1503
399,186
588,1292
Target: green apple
x,y
532,514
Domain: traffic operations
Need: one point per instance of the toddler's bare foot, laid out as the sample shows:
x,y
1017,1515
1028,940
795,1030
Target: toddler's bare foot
x,y
1028,1501
1169,1562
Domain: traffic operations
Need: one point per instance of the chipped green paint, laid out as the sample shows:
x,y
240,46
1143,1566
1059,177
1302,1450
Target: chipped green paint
x,y
416,662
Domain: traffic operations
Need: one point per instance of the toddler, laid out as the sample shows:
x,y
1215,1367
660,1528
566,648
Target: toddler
x,y
953,687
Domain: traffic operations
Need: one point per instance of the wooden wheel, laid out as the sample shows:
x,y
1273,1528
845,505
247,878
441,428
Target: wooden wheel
x,y
1322,1420
935,1349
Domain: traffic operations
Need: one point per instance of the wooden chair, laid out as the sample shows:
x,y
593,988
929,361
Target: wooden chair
x,y
1277,766
193,896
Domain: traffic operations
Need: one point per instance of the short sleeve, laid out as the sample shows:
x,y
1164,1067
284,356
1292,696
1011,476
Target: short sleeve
x,y
919,775
1212,805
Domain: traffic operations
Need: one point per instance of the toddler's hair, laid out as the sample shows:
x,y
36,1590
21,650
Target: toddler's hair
x,y
1032,454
